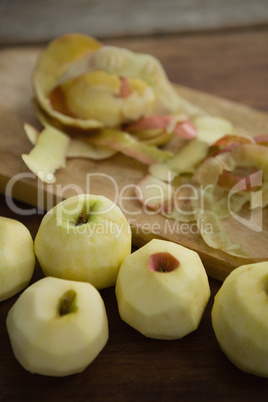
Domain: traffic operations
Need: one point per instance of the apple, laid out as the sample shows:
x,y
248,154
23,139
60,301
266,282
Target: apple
x,y
162,290
240,318
57,327
17,258
84,238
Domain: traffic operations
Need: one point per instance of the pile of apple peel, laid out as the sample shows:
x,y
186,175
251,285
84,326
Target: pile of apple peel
x,y
96,100
104,99
211,185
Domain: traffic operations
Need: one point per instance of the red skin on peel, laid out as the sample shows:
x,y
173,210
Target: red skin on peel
x,y
183,129
125,89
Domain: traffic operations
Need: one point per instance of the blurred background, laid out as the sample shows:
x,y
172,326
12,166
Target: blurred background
x,y
215,46
35,21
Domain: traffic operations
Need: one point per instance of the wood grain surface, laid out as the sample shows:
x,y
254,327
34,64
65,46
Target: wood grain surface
x,y
132,367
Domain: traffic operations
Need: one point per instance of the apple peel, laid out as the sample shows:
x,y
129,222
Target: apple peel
x,y
211,128
216,236
210,170
76,148
244,161
123,62
212,230
83,149
109,141
31,132
51,65
154,193
184,161
48,154
252,155
261,139
172,124
189,156
262,199
160,138
229,179
230,140
125,88
226,205
125,143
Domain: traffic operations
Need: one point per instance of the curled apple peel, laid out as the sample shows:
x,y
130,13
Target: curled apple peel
x,y
74,86
227,142
125,143
76,148
31,132
123,62
171,124
82,84
52,63
212,128
48,154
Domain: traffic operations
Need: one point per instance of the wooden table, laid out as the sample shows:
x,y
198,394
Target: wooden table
x,y
232,64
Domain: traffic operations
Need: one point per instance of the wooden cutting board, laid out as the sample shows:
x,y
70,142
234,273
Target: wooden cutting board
x,y
114,177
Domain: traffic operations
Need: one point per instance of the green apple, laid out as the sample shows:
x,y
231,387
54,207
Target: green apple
x,y
57,327
84,238
162,290
17,258
240,318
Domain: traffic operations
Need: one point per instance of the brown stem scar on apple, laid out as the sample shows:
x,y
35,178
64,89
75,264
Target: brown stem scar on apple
x,y
67,303
163,262
81,219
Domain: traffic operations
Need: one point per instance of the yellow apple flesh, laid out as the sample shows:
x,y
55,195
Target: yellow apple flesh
x,y
17,258
162,290
84,238
240,318
57,327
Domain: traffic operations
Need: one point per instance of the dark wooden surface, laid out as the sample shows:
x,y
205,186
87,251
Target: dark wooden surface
x,y
131,367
